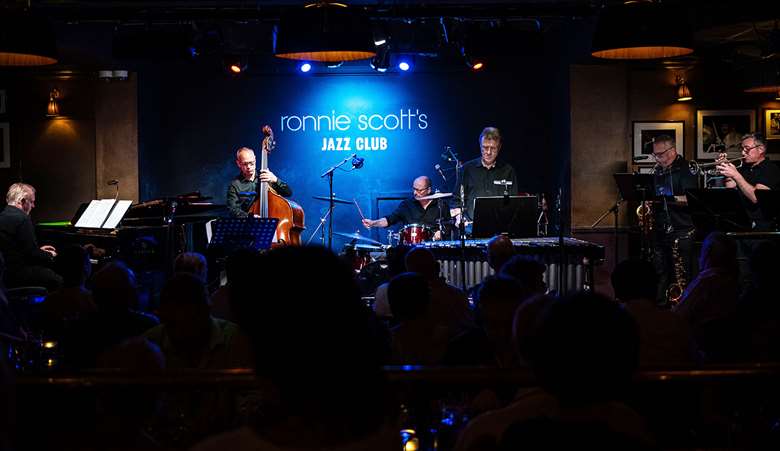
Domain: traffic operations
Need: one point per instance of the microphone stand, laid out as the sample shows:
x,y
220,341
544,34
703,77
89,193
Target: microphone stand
x,y
459,174
614,209
563,269
331,204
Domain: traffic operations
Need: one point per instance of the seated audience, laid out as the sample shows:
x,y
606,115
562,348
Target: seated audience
x,y
664,337
73,300
189,336
584,357
320,352
418,339
490,342
192,263
709,302
529,272
115,295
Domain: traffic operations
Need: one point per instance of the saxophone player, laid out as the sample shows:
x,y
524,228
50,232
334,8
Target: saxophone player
x,y
673,237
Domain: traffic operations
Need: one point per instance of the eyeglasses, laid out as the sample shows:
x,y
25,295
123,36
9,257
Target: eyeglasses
x,y
748,149
421,190
656,155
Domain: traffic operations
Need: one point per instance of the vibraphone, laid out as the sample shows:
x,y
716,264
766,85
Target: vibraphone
x,y
580,256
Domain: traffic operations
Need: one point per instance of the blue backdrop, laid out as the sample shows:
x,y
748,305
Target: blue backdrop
x,y
399,123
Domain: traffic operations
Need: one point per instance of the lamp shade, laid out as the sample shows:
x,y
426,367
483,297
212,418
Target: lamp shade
x,y
642,31
26,40
764,77
324,32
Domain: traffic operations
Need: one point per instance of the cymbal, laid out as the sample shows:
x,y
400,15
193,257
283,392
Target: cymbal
x,y
335,199
357,236
435,196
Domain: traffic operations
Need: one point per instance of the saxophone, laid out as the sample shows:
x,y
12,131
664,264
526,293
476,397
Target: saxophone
x,y
644,215
676,289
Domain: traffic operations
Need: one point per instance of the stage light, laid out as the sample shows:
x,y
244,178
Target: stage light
x,y
404,65
305,67
236,65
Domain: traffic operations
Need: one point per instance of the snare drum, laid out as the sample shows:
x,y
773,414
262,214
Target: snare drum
x,y
360,255
414,234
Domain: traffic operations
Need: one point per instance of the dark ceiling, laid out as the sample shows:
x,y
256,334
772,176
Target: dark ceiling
x,y
735,32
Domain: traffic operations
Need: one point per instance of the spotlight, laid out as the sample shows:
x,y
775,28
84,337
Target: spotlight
x,y
474,63
235,65
404,65
305,67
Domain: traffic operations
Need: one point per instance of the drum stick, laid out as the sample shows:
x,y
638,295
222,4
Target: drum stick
x,y
359,210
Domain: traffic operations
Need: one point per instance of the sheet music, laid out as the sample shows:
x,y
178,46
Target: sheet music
x,y
96,213
117,214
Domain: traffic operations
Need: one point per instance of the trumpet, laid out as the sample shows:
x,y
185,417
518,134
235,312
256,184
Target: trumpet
x,y
709,168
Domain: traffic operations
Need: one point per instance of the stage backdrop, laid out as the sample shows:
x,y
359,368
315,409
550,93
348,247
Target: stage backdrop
x,y
191,125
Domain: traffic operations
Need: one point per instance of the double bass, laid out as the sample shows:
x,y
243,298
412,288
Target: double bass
x,y
269,204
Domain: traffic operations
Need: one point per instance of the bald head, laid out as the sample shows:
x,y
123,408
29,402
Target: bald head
x,y
499,250
421,186
245,160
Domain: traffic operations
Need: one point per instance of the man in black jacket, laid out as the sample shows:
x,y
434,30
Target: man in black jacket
x,y
26,263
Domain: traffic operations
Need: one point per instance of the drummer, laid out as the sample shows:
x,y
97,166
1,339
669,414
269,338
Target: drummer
x,y
418,210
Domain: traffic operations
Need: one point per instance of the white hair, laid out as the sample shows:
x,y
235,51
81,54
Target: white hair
x,y
19,192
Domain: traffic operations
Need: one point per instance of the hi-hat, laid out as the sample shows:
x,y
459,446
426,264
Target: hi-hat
x,y
357,236
435,196
335,199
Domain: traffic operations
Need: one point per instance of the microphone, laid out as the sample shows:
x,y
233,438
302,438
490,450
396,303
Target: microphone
x,y
441,173
112,182
449,155
357,162
643,158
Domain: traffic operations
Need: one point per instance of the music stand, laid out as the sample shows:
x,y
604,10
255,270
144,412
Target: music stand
x,y
769,203
231,234
513,215
635,187
717,210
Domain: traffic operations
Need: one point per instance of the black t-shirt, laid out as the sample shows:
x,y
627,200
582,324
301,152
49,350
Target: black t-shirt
x,y
669,182
765,173
478,181
410,211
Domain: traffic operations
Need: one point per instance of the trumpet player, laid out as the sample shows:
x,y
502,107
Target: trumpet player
x,y
670,214
755,173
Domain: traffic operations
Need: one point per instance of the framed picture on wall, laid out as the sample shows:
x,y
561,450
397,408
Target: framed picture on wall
x,y
5,145
721,131
645,133
772,124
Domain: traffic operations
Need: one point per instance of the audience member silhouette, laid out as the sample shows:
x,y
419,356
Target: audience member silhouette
x,y
116,318
664,337
189,336
73,300
320,349
418,339
709,302
584,359
529,272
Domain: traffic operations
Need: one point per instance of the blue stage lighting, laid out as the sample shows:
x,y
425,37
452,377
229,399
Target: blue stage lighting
x,y
305,67
404,66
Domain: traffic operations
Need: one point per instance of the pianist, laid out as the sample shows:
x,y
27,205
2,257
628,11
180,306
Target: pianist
x,y
26,263
243,189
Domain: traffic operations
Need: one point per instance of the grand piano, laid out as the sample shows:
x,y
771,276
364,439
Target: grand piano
x,y
149,236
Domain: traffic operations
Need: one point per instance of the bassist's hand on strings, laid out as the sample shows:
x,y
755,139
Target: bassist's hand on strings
x,y
267,176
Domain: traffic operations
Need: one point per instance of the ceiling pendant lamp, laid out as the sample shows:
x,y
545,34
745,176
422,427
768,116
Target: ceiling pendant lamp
x,y
641,31
26,40
326,32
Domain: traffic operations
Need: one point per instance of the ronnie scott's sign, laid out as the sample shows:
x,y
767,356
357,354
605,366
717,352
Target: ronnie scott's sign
x,y
339,131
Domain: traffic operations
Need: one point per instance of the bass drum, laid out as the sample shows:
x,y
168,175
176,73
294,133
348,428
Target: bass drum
x,y
371,276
